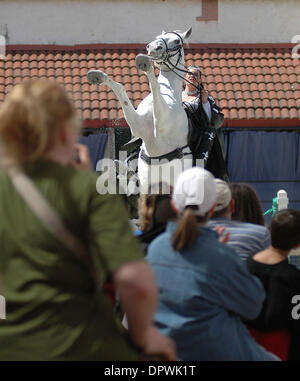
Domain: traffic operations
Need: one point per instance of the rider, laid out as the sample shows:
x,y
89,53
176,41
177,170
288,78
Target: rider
x,y
206,142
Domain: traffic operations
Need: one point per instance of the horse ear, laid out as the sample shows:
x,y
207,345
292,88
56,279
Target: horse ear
x,y
186,34
163,32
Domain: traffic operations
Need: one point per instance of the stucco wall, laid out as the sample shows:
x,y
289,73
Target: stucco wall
x,y
125,21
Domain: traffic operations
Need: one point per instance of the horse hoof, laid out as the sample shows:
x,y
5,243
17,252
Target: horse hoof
x,y
143,62
96,77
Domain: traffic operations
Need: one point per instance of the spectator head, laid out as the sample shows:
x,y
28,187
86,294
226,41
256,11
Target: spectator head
x,y
34,117
285,229
155,208
247,204
193,75
195,70
194,200
224,202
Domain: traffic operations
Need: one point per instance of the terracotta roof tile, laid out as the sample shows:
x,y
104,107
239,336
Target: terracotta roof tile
x,y
24,65
94,96
292,69
259,113
228,95
240,103
145,87
76,94
277,113
223,104
69,87
110,96
86,114
252,78
212,87
286,103
250,113
242,113
255,94
268,113
294,113
232,114
266,103
261,86
293,78
135,78
285,113
274,103
96,113
68,78
253,87
231,103
293,94
78,104
287,86
86,103
248,82
245,86
248,103
84,79
271,86
257,71
229,86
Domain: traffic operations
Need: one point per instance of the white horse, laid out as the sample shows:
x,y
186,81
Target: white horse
x,y
159,120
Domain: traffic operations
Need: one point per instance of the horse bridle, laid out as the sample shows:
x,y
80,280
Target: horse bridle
x,y
166,61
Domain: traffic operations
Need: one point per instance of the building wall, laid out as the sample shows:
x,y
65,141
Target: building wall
x,y
134,21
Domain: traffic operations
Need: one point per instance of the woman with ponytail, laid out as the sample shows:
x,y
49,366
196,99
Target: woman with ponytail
x,y
204,287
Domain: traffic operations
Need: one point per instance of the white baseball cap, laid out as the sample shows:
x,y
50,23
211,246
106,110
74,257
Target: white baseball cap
x,y
195,186
223,194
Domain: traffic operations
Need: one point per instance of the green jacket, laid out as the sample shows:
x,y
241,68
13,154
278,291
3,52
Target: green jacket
x,y
54,309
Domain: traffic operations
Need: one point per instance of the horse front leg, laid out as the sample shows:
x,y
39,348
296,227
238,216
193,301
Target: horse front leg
x,y
161,109
131,116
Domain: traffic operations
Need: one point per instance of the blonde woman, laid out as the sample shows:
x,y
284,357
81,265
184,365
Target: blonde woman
x,y
55,310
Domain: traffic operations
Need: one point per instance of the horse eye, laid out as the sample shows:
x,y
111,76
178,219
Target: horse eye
x,y
177,42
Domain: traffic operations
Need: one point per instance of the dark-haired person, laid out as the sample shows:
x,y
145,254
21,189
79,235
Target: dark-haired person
x,y
204,286
247,204
206,138
281,282
245,238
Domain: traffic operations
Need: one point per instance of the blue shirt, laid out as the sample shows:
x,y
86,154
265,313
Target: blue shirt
x,y
203,293
245,238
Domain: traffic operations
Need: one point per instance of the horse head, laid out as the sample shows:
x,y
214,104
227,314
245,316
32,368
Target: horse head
x,y
167,48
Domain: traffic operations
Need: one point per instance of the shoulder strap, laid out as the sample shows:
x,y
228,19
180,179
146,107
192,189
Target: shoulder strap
x,y
45,213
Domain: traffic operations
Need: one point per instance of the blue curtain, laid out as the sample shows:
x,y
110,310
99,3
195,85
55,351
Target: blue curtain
x,y
96,144
268,161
